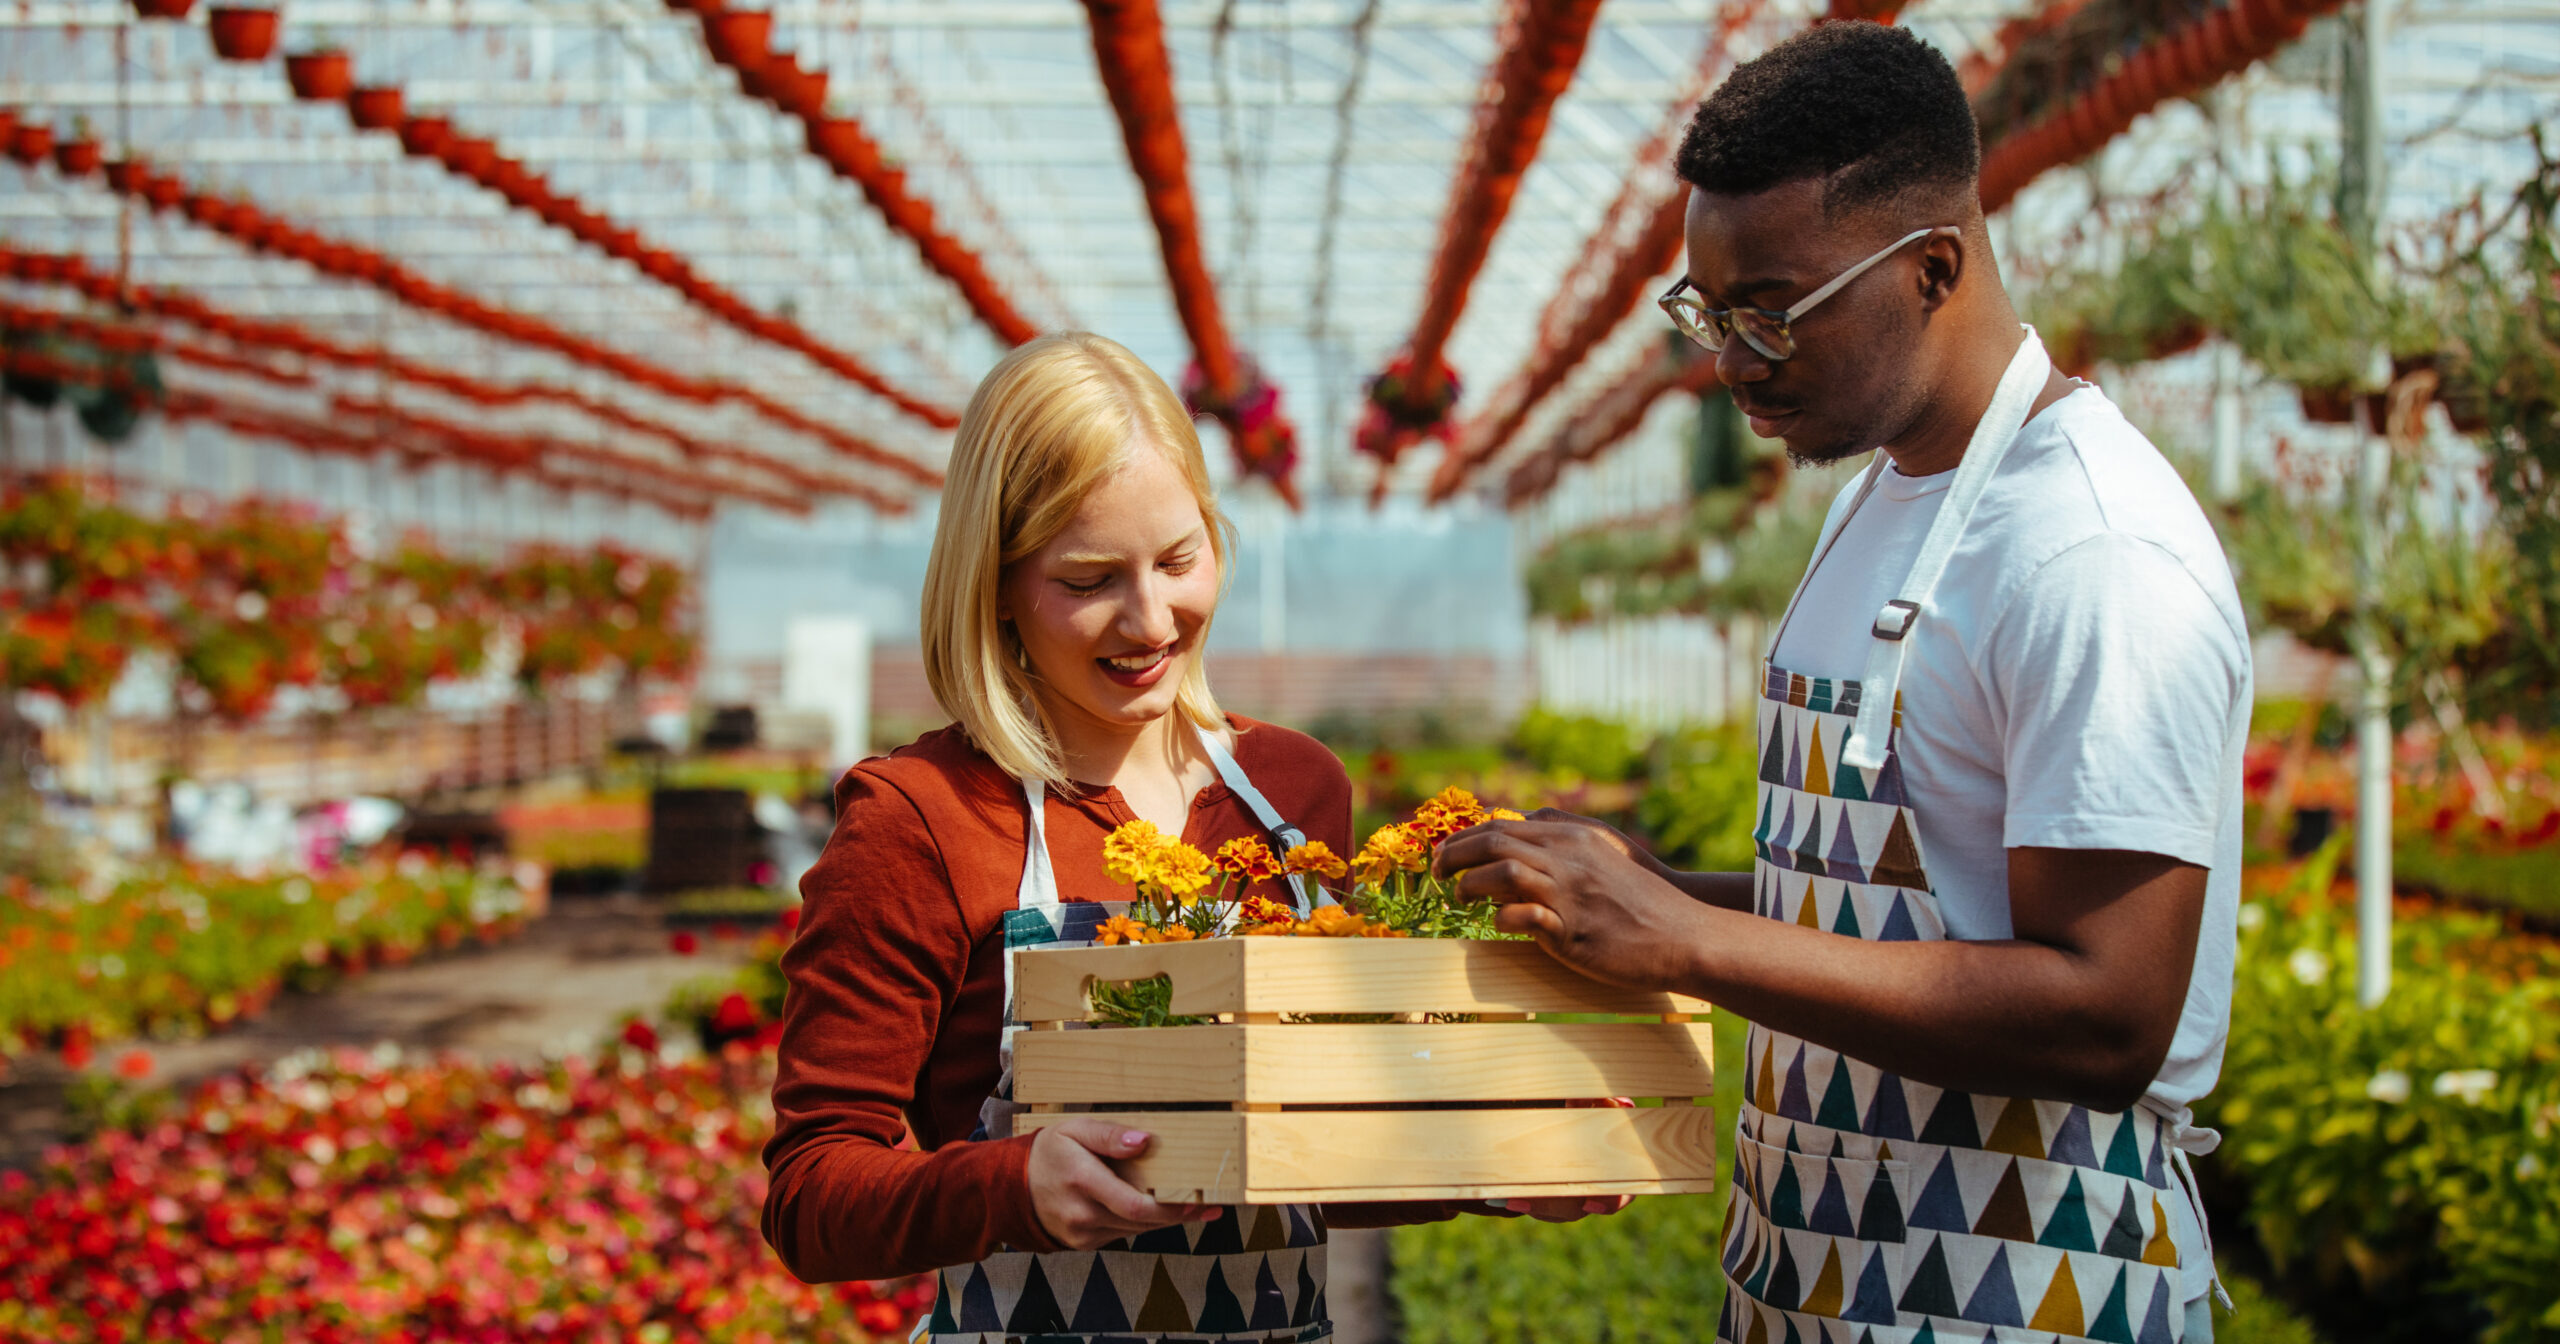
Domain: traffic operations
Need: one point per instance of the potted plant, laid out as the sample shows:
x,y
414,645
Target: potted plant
x,y
242,33
423,136
325,74
163,9
375,108
739,38
126,177
30,142
80,155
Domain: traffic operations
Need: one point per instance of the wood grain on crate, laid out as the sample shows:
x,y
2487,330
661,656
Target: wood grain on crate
x,y
1330,975
1271,1157
1309,1062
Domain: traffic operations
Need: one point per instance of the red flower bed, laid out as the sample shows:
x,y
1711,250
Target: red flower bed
x,y
358,1200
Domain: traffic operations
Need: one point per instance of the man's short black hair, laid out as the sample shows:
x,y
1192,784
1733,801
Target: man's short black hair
x,y
1862,97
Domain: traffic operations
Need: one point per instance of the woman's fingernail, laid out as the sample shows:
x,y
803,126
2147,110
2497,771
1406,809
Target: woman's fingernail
x,y
1131,1138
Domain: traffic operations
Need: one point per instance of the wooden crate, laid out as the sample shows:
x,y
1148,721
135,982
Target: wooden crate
x,y
1257,1106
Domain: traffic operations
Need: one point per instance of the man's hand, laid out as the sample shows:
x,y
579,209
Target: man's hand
x,y
1081,1201
1569,1208
1593,899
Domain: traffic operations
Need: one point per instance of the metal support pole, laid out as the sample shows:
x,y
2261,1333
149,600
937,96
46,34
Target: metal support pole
x,y
2373,466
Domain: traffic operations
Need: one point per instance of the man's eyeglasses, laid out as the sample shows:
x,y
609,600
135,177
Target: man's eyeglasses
x,y
1766,330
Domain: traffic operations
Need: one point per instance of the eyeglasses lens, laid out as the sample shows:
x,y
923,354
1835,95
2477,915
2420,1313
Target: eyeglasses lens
x,y
1767,332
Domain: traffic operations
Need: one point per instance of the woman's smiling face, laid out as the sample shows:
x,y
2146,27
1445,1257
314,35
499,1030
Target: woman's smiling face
x,y
1111,612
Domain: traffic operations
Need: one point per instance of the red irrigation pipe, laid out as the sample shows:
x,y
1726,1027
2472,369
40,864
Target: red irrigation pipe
x,y
1128,47
263,232
274,335
2179,61
849,149
1578,317
479,160
1542,47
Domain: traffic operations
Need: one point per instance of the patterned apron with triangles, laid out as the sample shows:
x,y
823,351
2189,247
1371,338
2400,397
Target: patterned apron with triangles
x,y
1254,1275
1866,1206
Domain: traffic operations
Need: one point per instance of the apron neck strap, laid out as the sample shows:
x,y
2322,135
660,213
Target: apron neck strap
x,y
1288,836
1039,889
1879,690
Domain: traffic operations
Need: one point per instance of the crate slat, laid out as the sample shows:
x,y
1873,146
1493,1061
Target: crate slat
x,y
1330,975
1274,1157
1327,1063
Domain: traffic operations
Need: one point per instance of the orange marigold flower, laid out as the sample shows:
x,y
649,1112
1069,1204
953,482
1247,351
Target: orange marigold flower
x,y
1249,858
1504,814
1450,811
1121,929
1317,857
1335,921
1264,910
1173,933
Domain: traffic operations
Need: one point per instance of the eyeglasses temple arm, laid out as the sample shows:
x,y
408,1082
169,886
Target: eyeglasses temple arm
x,y
1805,305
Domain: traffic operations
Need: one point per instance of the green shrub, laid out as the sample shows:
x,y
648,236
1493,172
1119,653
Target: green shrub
x,y
1647,1274
1697,809
1603,751
2408,1146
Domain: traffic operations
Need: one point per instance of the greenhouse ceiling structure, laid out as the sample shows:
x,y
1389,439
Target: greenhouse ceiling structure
x,y
692,255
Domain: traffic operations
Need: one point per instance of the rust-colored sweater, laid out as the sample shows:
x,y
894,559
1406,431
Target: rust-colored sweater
x,y
897,994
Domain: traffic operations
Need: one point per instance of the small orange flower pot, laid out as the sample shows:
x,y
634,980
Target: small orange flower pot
x,y
376,109
78,158
320,76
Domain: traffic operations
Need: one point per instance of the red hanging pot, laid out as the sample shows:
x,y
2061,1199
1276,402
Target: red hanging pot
x,y
376,109
210,211
163,9
320,76
78,158
802,93
739,38
468,155
423,136
243,34
125,177
163,192
837,140
29,143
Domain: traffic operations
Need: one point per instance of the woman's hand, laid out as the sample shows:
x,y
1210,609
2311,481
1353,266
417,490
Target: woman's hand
x,y
1080,1201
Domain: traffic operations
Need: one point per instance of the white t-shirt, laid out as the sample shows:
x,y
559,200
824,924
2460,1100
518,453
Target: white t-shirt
x,y
2080,680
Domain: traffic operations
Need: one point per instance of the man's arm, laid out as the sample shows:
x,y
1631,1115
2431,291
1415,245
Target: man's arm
x,y
2081,1005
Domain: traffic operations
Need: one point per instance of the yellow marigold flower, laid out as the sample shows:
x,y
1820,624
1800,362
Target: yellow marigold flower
x,y
1504,814
1317,857
1249,858
1128,854
1391,849
1179,869
1121,929
1173,933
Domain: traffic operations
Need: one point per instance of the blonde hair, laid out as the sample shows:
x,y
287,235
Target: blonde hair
x,y
1047,424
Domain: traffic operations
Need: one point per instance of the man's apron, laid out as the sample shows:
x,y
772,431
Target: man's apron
x,y
1866,1206
1254,1275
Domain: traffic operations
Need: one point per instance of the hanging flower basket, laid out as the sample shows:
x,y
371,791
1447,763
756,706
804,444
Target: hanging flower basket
x,y
78,158
802,93
739,38
30,143
243,34
126,177
375,109
423,136
163,9
163,193
320,76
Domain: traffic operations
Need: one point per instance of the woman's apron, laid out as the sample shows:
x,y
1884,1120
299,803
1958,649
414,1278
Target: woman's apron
x,y
1254,1275
1869,1207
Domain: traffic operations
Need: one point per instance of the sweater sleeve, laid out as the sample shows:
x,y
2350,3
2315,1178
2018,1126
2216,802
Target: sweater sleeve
x,y
878,962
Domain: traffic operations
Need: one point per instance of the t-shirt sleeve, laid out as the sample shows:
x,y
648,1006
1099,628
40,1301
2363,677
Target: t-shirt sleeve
x,y
2115,675
878,961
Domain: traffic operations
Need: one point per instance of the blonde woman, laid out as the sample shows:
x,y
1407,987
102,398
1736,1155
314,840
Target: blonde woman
x,y
1075,570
